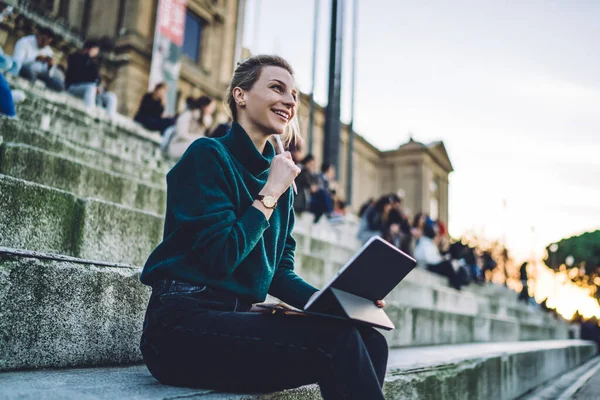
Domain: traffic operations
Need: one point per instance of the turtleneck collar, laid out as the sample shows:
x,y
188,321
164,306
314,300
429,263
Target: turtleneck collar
x,y
243,149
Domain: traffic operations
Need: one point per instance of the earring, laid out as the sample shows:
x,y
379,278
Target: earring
x,y
242,103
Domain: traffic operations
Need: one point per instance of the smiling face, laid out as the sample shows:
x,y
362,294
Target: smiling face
x,y
270,104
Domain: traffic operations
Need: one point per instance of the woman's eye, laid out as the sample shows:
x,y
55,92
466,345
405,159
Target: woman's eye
x,y
278,88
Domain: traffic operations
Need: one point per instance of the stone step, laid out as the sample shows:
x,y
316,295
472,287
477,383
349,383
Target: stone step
x,y
21,131
470,371
67,116
82,179
36,217
60,302
422,290
41,218
60,311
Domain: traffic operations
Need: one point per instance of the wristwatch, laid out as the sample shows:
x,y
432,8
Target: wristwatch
x,y
267,201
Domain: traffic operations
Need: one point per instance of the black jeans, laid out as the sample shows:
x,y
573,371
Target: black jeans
x,y
196,336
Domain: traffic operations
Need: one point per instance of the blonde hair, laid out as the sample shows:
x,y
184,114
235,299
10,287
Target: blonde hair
x,y
246,75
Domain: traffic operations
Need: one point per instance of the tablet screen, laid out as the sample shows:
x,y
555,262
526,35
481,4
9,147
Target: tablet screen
x,y
373,272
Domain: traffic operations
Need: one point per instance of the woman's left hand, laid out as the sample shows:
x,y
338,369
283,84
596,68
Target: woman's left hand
x,y
380,303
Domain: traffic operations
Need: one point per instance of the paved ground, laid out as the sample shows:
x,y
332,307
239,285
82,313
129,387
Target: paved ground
x,y
135,382
590,390
563,387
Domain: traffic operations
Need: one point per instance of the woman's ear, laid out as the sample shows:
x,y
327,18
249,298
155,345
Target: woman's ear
x,y
239,96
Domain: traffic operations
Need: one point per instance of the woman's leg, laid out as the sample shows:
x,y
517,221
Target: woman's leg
x,y
377,347
188,345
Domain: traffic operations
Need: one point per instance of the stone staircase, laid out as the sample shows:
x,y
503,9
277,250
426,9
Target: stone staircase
x,y
82,199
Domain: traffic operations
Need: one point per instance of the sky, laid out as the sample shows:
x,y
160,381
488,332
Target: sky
x,y
512,88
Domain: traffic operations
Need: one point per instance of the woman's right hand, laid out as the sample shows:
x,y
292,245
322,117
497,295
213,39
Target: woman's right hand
x,y
282,173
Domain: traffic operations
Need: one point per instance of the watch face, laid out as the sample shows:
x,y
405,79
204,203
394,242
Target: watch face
x,y
269,202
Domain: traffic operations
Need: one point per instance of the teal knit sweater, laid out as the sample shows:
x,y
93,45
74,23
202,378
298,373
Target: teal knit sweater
x,y
213,236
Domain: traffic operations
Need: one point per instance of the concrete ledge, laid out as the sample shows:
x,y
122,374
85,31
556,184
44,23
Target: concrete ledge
x,y
67,116
84,180
37,217
420,326
54,306
40,218
21,131
60,313
500,371
117,234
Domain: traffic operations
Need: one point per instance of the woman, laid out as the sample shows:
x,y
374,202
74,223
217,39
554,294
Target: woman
x,y
227,243
152,108
428,256
192,124
372,221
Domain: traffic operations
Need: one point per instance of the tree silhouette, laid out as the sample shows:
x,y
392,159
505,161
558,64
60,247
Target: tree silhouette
x,y
585,268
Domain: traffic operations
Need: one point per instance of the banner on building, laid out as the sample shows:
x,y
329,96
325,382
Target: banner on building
x,y
166,52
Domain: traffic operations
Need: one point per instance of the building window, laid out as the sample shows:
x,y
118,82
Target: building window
x,y
192,43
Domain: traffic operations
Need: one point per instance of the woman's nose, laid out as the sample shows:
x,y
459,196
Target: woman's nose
x,y
289,100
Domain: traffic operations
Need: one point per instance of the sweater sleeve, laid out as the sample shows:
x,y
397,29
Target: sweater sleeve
x,y
201,199
286,285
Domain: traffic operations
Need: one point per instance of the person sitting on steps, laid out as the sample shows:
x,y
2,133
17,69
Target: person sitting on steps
x,y
227,243
151,111
191,125
33,59
83,79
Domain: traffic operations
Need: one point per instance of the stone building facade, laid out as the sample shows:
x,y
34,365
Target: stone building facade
x,y
419,171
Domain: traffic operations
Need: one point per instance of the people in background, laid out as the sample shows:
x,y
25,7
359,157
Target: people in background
x,y
33,59
150,114
365,206
524,295
321,202
418,224
396,228
221,130
340,208
372,223
306,183
428,256
83,79
488,263
443,237
191,125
